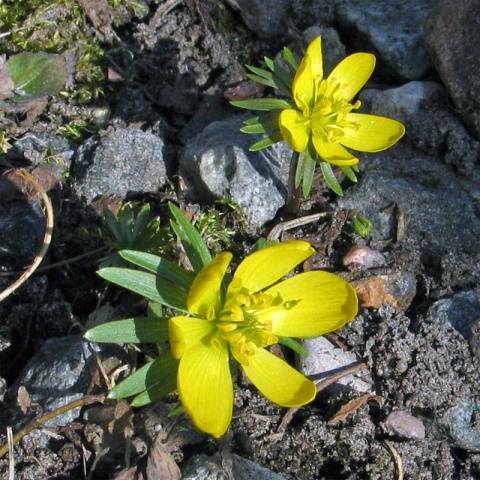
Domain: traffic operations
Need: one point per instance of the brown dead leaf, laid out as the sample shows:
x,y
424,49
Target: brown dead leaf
x,y
353,405
243,91
23,399
100,14
160,463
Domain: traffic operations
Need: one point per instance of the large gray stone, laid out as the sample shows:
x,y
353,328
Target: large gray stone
x,y
401,103
123,161
59,373
461,311
452,35
216,163
394,28
436,208
462,424
266,18
202,467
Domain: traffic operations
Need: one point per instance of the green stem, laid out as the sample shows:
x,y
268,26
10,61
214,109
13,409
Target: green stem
x,y
294,193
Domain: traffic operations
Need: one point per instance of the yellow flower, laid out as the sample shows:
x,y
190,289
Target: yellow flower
x,y
242,319
324,110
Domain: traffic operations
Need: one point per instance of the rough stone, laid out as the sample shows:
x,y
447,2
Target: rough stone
x,y
461,311
325,357
451,33
394,28
421,193
401,103
122,162
364,257
474,336
216,163
59,373
202,467
266,18
404,425
397,289
462,422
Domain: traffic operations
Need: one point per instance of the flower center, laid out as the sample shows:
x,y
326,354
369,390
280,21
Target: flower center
x,y
328,113
243,323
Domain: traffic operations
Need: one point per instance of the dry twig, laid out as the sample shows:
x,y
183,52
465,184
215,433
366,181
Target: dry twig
x,y
278,229
396,458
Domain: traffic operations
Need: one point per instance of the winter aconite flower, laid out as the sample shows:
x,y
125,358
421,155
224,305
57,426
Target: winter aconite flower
x,y
318,118
323,112
241,318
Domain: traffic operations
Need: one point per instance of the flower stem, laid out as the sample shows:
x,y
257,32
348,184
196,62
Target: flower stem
x,y
294,193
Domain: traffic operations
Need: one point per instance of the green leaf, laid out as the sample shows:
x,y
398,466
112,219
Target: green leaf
x,y
162,370
330,178
308,173
147,285
261,72
37,74
300,168
294,345
160,266
269,62
289,57
350,174
195,248
255,128
130,330
174,412
264,243
282,77
261,80
262,104
265,142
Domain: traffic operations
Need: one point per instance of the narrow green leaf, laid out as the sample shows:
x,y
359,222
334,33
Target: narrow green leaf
x,y
265,142
362,225
174,412
262,104
37,74
262,81
264,243
355,168
130,330
330,178
300,169
282,77
162,370
254,128
252,120
261,72
268,62
350,174
147,285
308,173
141,221
294,345
160,266
289,57
195,248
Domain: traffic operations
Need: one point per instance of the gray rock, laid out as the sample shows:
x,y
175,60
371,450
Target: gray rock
x,y
59,373
401,103
364,257
394,28
461,311
266,18
123,161
325,357
462,424
202,467
451,34
430,198
404,425
333,50
4,343
216,163
3,388
45,147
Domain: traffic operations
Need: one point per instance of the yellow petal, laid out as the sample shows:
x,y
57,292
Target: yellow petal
x,y
278,381
303,86
352,73
371,132
204,296
326,302
294,128
333,153
187,331
205,386
264,267
314,51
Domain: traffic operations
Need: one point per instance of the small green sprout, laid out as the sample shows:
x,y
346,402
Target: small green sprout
x,y
362,225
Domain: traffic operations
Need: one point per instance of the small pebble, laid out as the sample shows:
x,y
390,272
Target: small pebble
x,y
405,425
365,257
